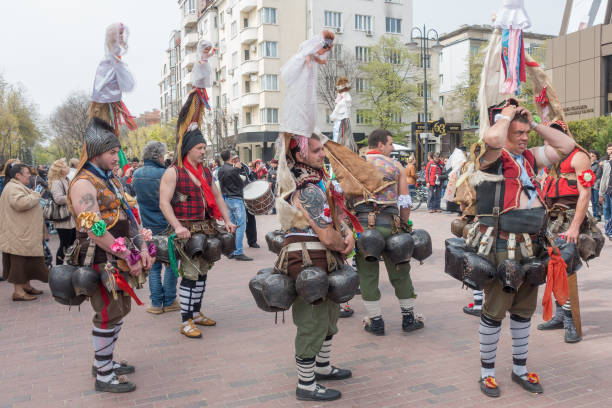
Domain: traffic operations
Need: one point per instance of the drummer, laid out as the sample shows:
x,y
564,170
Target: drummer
x,y
232,186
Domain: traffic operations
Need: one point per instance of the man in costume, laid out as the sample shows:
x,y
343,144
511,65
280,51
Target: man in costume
x,y
341,115
433,174
568,192
103,216
511,212
388,212
192,203
326,244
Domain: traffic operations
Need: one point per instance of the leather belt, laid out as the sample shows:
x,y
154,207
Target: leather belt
x,y
505,235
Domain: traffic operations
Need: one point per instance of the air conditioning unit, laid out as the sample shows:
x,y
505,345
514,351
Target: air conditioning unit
x,y
339,30
369,33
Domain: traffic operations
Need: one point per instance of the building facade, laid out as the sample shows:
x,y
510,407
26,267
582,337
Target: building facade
x,y
254,38
459,47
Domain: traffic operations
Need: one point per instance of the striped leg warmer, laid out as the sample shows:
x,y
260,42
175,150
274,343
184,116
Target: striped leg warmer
x,y
104,343
478,298
488,334
322,365
306,373
187,298
519,327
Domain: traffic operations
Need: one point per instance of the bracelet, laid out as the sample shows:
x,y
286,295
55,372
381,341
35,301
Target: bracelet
x,y
508,118
534,124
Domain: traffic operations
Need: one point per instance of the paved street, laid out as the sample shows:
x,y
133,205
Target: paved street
x,y
247,360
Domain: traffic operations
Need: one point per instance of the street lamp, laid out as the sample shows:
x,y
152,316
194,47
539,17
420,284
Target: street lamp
x,y
424,36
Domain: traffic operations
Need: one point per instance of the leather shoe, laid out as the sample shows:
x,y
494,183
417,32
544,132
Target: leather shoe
x,y
336,374
242,257
531,383
123,386
33,291
471,311
23,298
255,245
124,368
320,393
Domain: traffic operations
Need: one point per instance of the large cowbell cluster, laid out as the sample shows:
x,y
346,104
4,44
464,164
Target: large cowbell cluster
x,y
399,247
71,285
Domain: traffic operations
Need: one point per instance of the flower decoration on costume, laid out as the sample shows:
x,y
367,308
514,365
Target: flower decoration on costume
x,y
87,219
326,216
99,228
118,245
152,249
587,178
134,257
533,378
147,235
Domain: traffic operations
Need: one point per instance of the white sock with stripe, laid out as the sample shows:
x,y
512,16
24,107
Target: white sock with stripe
x,y
519,327
373,308
488,334
306,373
186,297
322,365
104,344
478,298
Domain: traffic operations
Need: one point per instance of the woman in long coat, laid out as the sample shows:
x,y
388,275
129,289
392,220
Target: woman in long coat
x,y
21,235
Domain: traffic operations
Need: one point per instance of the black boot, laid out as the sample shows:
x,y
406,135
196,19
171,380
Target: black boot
x,y
409,323
376,326
571,335
556,322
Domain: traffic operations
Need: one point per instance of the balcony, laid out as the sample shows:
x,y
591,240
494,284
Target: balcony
x,y
247,5
248,35
250,99
191,40
189,60
250,67
190,20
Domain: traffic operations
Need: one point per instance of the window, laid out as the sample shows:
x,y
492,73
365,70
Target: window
x,y
336,52
362,117
269,49
441,80
269,115
393,25
363,23
234,28
215,21
247,55
425,60
362,54
474,50
235,59
440,58
441,101
224,99
396,117
393,57
361,85
189,7
247,118
332,19
267,15
247,86
420,90
245,23
269,82
422,117
222,20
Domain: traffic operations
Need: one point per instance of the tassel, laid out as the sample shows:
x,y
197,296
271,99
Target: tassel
x,y
556,282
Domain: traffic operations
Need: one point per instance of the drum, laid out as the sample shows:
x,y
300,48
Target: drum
x,y
258,197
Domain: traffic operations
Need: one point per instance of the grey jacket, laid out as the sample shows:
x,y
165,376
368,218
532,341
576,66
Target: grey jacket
x,y
605,178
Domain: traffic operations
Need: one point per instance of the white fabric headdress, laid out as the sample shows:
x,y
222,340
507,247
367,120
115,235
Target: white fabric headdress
x,y
512,15
298,113
112,76
201,75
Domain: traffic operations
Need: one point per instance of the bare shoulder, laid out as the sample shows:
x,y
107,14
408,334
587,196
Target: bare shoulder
x,y
169,175
83,196
581,160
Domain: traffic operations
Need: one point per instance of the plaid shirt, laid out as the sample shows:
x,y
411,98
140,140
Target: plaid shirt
x,y
193,207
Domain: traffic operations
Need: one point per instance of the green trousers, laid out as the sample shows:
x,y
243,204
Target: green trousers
x,y
314,323
398,275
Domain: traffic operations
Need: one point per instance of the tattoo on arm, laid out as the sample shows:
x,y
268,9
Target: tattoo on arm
x,y
87,202
313,202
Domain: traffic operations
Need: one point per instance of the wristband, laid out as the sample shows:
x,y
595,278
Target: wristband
x,y
404,201
508,118
534,124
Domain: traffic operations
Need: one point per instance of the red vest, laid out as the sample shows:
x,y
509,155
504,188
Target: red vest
x,y
193,207
561,186
511,188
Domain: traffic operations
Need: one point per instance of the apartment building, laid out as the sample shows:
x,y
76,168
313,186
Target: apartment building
x,y
254,38
170,85
459,47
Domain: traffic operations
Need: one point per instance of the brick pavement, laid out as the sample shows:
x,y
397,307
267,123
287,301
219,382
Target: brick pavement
x,y
247,359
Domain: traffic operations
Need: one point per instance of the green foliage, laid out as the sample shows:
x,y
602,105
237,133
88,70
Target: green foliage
x,y
391,75
592,133
134,141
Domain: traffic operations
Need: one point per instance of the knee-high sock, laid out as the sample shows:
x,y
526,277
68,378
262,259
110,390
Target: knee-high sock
x,y
118,327
567,314
104,344
322,365
488,334
519,327
198,293
478,297
407,306
373,308
306,373
186,295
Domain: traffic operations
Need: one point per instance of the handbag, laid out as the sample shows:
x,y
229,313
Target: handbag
x,y
56,212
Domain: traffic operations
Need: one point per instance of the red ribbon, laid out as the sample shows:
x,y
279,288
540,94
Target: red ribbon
x,y
542,99
124,286
532,64
123,116
339,201
556,282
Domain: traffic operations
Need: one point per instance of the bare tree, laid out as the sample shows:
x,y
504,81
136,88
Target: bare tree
x,y
68,123
337,65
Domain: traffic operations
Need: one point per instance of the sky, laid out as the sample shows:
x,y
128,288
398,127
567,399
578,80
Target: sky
x,y
53,47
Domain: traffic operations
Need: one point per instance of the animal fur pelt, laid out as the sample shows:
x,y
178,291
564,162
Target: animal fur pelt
x,y
541,80
288,216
